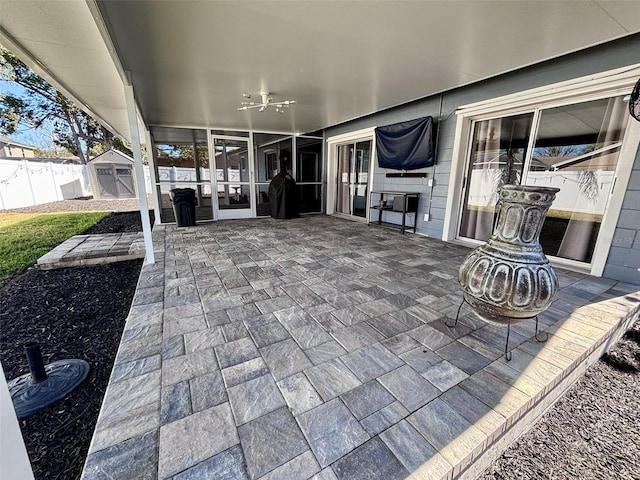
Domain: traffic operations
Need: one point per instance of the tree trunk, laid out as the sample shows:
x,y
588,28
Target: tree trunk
x,y
76,138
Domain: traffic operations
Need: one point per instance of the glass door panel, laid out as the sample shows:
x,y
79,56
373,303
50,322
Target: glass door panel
x,y
498,151
577,149
232,165
361,178
353,178
343,196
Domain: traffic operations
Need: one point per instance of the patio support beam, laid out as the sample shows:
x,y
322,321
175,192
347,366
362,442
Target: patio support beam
x,y
151,162
139,169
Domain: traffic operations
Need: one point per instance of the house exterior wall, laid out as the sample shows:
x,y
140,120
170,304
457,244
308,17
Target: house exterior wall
x,y
20,152
14,150
623,260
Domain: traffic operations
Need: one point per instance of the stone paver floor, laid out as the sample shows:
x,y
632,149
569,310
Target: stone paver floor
x,y
317,348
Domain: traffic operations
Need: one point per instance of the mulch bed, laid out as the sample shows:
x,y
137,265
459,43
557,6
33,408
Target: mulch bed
x,y
591,433
72,313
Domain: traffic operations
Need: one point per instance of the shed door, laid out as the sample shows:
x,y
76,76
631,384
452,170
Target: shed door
x,y
124,181
107,181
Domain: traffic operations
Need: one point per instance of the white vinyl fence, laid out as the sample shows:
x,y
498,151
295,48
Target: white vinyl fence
x,y
483,191
173,177
24,183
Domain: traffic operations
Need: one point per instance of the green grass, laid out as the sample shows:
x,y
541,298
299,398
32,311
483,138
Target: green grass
x,y
26,237
7,219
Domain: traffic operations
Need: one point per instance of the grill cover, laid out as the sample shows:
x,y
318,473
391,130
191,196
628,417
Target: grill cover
x,y
283,196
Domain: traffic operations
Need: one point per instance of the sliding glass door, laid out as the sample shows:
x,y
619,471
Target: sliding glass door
x,y
353,161
573,147
577,149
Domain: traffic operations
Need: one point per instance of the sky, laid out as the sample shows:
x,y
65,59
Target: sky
x,y
42,137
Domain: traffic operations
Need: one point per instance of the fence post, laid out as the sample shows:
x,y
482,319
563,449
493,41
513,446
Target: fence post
x,y
53,177
25,164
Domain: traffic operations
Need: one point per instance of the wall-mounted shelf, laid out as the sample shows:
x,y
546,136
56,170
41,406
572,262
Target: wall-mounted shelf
x,y
404,203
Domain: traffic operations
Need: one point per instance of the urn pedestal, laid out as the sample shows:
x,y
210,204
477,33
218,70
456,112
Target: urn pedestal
x,y
509,279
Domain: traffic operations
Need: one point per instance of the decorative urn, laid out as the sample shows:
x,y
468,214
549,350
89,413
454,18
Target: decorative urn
x,y
509,279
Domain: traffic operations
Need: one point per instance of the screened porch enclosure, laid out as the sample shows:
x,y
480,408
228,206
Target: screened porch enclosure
x,y
231,171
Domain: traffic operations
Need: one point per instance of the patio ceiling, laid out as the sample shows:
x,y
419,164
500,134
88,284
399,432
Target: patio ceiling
x,y
191,62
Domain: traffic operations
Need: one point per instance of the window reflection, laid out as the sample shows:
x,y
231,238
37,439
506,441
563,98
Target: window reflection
x,y
498,151
577,150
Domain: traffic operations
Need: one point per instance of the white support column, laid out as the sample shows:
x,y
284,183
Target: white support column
x,y
139,169
152,176
14,460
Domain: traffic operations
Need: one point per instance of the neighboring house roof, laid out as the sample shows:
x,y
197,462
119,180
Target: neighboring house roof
x,y
7,141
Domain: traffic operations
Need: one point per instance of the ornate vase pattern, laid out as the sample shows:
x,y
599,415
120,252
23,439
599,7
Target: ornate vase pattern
x,y
509,279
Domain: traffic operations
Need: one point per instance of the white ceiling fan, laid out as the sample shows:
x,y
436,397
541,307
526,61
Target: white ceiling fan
x,y
267,101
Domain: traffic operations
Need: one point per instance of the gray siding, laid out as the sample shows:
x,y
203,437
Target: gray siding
x,y
623,262
620,53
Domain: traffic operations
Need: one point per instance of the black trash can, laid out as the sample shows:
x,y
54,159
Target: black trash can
x,y
184,206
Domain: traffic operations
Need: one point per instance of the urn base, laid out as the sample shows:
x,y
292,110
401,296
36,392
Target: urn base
x,y
494,314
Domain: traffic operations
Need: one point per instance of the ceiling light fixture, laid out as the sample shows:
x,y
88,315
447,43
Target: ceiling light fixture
x,y
267,101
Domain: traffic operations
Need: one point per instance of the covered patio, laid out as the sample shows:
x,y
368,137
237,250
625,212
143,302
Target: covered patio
x,y
317,348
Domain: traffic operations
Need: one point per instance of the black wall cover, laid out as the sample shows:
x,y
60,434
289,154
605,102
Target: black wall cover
x,y
406,145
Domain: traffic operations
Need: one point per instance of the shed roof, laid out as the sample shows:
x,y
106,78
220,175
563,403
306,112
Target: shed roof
x,y
111,155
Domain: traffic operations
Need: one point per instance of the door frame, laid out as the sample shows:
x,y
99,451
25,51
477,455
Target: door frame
x,y
232,213
332,168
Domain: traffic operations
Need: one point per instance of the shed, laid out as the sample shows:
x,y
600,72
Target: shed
x,y
112,175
